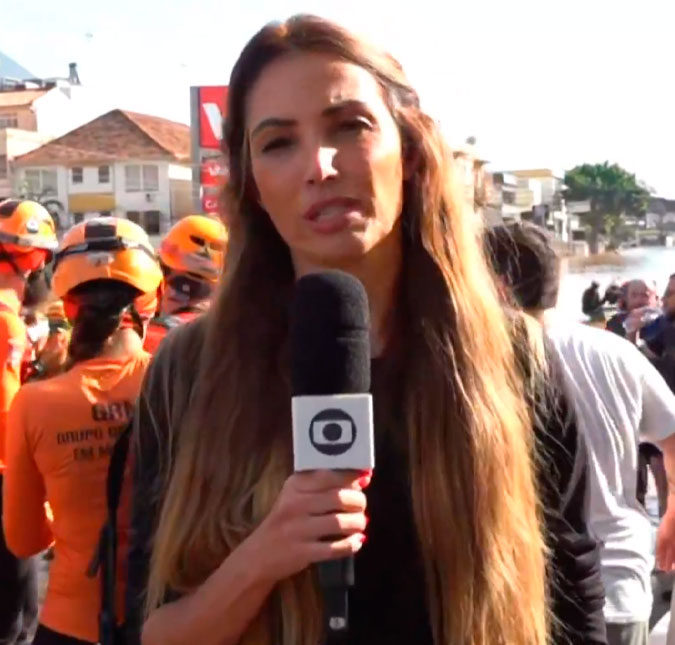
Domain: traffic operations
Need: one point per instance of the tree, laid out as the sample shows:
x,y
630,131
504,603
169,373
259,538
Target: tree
x,y
613,194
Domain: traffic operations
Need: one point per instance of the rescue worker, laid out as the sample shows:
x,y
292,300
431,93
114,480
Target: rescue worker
x,y
62,430
27,242
192,256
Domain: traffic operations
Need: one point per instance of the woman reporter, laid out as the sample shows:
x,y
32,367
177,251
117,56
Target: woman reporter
x,y
333,165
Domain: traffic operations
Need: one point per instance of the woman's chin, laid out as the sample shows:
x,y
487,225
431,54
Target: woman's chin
x,y
334,254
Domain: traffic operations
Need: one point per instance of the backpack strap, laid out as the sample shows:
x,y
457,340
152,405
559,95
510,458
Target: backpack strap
x,y
105,557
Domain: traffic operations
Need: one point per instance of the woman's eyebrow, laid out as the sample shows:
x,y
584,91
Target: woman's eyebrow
x,y
277,122
272,122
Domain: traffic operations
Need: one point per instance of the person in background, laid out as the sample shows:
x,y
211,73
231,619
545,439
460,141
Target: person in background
x,y
61,431
639,303
613,294
618,397
50,357
637,296
192,256
591,303
27,242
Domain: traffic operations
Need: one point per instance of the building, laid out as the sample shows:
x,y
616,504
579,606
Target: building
x,y
14,142
503,197
475,181
541,194
32,112
661,214
121,163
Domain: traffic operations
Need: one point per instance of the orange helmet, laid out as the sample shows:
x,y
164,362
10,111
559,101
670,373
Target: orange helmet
x,y
108,248
195,245
27,235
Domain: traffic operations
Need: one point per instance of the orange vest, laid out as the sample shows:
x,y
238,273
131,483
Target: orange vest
x,y
60,435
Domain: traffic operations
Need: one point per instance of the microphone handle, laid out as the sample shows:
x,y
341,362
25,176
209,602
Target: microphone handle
x,y
335,578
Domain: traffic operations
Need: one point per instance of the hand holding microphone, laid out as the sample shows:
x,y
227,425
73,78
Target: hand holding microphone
x,y
311,506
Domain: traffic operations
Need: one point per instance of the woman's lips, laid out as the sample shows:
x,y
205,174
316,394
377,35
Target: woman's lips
x,y
333,216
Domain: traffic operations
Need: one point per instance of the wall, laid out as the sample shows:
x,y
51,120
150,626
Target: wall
x,y
159,200
55,113
180,171
90,183
180,182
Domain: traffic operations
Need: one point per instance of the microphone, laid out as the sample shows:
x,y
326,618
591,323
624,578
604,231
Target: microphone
x,y
332,408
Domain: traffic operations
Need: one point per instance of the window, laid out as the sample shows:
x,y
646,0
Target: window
x,y
104,174
134,216
141,178
9,121
3,166
40,181
132,178
150,178
151,222
76,175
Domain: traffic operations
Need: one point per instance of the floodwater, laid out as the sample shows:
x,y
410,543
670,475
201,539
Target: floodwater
x,y
645,263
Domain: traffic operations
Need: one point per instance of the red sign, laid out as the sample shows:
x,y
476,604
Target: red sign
x,y
212,109
214,172
210,203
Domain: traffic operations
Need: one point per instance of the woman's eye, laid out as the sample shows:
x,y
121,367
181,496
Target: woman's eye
x,y
355,125
277,144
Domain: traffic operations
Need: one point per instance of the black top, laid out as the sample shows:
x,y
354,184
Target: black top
x,y
615,324
388,604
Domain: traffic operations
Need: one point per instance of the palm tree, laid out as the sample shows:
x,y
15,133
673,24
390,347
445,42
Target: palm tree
x,y
613,194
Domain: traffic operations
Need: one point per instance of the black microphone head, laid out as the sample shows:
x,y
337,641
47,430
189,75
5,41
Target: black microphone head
x,y
330,335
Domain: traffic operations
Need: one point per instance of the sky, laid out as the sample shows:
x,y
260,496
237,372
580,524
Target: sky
x,y
539,83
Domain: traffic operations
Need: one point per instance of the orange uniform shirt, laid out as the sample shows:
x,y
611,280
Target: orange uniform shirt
x,y
60,436
13,342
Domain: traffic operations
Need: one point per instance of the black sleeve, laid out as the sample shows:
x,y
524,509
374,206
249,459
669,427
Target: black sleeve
x,y
577,594
162,402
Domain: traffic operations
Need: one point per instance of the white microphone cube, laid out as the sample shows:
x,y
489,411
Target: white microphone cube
x,y
333,432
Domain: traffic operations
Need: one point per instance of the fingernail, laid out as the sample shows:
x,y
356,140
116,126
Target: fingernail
x,y
364,481
362,538
367,520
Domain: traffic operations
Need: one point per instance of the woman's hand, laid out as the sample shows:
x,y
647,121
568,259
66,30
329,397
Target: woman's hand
x,y
319,515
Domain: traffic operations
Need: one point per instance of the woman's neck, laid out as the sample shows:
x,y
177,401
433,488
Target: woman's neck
x,y
123,342
379,272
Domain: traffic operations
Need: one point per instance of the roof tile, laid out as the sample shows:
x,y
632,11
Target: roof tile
x,y
116,135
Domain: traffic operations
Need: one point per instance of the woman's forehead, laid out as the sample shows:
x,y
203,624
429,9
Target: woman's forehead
x,y
307,83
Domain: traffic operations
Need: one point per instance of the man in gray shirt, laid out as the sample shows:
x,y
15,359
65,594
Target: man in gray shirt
x,y
619,398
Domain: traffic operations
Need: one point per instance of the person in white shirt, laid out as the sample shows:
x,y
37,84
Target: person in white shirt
x,y
619,399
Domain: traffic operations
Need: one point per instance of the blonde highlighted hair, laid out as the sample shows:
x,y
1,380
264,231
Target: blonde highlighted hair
x,y
468,430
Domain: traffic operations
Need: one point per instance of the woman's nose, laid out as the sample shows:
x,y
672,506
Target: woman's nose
x,y
321,165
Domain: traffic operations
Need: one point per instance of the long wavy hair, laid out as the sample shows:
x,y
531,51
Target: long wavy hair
x,y
466,426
